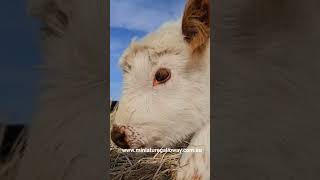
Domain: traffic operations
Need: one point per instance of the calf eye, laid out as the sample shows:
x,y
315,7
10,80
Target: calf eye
x,y
161,76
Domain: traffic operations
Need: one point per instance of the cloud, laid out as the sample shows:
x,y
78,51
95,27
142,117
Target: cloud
x,y
143,15
116,45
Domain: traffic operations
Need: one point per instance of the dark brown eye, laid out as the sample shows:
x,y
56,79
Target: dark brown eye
x,y
161,76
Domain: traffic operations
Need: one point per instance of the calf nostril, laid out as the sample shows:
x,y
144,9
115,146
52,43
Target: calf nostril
x,y
119,137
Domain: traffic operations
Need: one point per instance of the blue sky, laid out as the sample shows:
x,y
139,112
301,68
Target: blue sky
x,y
19,54
135,18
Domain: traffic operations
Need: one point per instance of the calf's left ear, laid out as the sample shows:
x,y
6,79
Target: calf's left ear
x,y
196,23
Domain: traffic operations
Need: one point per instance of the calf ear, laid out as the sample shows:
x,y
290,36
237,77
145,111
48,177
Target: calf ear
x,y
196,23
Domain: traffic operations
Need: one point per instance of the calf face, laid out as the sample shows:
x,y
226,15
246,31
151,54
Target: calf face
x,y
165,93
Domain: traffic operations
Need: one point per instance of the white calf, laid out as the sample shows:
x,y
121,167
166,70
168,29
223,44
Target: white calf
x,y
166,91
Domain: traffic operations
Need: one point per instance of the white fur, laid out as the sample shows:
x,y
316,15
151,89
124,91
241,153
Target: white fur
x,y
165,114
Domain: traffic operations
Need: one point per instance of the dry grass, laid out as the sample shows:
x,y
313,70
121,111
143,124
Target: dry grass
x,y
142,166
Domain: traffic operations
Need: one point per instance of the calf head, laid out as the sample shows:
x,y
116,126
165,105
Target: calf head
x,y
165,95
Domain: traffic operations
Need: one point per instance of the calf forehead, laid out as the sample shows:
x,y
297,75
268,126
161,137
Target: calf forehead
x,y
168,39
